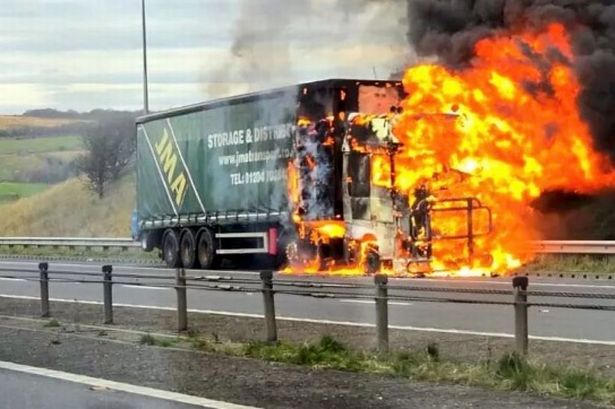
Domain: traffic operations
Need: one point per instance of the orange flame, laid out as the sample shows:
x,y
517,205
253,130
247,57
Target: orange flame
x,y
516,131
502,130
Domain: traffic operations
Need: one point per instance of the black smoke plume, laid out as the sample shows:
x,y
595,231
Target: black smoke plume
x,y
450,28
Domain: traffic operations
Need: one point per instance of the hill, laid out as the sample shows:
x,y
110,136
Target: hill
x,y
39,192
70,209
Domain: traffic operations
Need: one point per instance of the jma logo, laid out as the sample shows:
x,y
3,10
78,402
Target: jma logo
x,y
167,157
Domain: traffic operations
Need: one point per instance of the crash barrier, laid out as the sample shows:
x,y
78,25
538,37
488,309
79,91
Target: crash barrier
x,y
599,247
70,242
382,292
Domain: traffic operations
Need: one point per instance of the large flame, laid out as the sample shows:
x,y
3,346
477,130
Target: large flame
x,y
503,130
517,132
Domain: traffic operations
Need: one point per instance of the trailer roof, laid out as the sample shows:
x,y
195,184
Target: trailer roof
x,y
253,96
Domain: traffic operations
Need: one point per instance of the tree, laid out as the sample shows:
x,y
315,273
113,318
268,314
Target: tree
x,y
110,147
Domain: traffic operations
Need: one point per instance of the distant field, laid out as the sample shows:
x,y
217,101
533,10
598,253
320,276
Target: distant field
x,y
33,166
30,165
17,121
42,144
10,191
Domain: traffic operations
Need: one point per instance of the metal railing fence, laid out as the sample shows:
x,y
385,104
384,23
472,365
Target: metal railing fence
x,y
604,247
381,291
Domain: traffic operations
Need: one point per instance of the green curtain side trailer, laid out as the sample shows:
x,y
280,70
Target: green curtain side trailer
x,y
212,178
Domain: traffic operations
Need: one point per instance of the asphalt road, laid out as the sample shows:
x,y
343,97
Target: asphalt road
x,y
21,390
544,322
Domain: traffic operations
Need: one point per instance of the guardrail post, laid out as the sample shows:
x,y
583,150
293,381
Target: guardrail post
x,y
182,303
44,280
520,285
108,293
268,301
382,312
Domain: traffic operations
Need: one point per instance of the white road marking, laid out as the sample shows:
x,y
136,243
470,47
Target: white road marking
x,y
343,323
145,287
371,302
11,279
103,384
357,301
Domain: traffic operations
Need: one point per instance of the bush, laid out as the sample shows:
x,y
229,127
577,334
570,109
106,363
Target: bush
x,y
147,339
52,324
433,351
578,385
514,368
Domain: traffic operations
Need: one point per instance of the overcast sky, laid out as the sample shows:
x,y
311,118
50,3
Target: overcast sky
x,y
84,54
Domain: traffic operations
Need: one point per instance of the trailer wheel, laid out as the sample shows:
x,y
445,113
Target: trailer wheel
x,y
170,249
187,249
206,250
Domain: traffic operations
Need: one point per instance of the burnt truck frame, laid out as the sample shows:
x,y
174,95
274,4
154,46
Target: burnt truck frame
x,y
212,178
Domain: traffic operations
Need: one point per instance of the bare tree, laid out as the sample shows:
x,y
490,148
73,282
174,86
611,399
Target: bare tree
x,y
110,147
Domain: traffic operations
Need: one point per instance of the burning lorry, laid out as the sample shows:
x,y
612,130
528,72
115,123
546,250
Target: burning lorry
x,y
302,176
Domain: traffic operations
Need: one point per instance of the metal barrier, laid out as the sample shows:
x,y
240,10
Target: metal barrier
x,y
381,292
543,246
71,242
573,246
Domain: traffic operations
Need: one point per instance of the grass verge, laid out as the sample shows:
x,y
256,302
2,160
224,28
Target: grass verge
x,y
510,372
592,265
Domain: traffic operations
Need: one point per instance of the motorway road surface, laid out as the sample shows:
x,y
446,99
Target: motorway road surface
x,y
26,387
544,323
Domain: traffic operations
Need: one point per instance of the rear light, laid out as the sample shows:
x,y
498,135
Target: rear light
x,y
273,241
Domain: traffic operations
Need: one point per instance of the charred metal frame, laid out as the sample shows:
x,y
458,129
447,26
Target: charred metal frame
x,y
472,205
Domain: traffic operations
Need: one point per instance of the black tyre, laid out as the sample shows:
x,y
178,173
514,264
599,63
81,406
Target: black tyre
x,y
170,249
187,249
206,249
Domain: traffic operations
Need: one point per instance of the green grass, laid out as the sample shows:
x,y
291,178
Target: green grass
x,y
148,339
42,144
10,191
52,324
510,372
